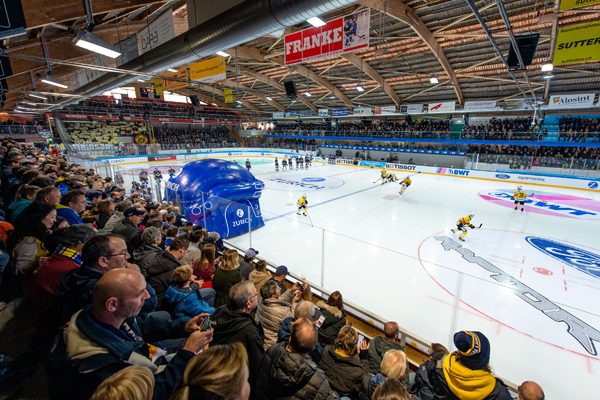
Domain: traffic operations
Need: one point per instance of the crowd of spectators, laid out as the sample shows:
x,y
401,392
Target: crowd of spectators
x,y
521,157
578,129
195,138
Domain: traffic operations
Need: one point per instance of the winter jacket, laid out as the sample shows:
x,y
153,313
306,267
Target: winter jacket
x,y
16,208
113,221
76,291
88,352
160,273
223,281
345,374
135,241
238,326
204,271
335,319
289,376
245,269
145,255
283,336
185,303
377,348
271,313
192,255
370,383
259,279
125,228
69,214
102,219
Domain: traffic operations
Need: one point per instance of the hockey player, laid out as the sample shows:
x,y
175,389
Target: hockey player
x,y
291,161
171,171
406,182
462,224
157,174
300,162
143,175
302,205
276,164
248,164
519,197
119,179
350,29
307,161
283,164
384,175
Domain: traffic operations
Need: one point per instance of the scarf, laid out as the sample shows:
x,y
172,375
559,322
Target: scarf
x,y
69,253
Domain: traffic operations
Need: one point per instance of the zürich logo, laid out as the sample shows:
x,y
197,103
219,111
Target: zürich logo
x,y
240,213
584,261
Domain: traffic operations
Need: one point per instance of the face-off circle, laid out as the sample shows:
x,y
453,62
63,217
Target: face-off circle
x,y
545,288
302,184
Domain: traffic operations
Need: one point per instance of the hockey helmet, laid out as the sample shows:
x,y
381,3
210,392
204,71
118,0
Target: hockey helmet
x,y
471,215
354,16
519,187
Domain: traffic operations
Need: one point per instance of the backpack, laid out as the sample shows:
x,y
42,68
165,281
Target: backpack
x,y
429,385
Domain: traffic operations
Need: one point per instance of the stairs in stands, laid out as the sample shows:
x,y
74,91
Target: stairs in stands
x,y
235,135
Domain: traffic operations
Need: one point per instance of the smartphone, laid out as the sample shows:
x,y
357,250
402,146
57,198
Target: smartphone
x,y
360,340
320,321
205,324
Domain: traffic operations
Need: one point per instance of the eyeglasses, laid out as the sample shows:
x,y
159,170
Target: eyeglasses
x,y
117,255
253,296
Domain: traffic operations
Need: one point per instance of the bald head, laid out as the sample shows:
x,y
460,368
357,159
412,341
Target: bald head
x,y
391,330
530,390
303,336
119,293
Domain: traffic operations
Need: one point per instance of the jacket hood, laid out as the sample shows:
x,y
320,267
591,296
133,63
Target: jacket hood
x,y
340,361
336,312
378,379
78,279
18,203
144,250
290,370
465,383
229,323
164,262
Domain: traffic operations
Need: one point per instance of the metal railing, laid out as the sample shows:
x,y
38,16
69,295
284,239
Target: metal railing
x,y
155,113
574,166
20,129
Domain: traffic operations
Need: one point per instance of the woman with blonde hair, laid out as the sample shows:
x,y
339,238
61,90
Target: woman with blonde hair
x,y
131,383
226,275
219,373
393,366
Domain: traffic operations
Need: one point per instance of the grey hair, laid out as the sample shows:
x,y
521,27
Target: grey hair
x,y
305,309
268,290
214,235
239,294
151,235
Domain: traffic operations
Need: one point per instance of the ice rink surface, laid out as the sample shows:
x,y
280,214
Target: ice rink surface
x,y
530,281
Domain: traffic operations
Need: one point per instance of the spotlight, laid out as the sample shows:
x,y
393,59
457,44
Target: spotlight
x,y
307,94
87,40
222,53
316,21
360,88
546,67
52,81
434,79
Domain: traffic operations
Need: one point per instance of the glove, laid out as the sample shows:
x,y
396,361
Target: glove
x,y
512,198
472,226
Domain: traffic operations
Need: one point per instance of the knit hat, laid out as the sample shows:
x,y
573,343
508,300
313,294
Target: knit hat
x,y
474,349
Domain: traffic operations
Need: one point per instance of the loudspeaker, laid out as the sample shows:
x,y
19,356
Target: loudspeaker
x,y
90,118
290,88
146,117
408,119
121,118
195,101
527,46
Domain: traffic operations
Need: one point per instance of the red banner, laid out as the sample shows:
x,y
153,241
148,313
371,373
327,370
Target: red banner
x,y
342,35
161,158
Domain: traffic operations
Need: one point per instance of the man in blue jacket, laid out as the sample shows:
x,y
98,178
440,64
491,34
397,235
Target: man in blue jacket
x,y
71,205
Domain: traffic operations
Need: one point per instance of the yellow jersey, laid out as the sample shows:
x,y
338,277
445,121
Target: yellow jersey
x,y
302,201
406,181
519,194
465,221
384,173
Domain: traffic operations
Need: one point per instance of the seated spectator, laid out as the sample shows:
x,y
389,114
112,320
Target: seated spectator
x,y
392,389
215,239
98,256
93,197
233,323
274,307
131,383
335,318
381,344
106,208
149,250
49,195
71,205
117,216
193,253
530,391
221,372
246,264
135,241
130,222
393,365
284,363
304,309
204,267
160,272
184,299
109,335
47,308
24,197
260,275
59,223
171,234
280,273
226,276
344,364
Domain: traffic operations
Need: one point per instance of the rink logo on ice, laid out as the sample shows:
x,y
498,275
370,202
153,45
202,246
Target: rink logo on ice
x,y
502,280
502,176
547,203
299,184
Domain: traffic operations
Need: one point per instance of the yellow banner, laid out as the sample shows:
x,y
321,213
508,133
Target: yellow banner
x,y
209,70
571,4
158,85
228,95
577,44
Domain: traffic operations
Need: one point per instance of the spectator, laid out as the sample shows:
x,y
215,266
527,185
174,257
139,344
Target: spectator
x,y
193,253
184,298
260,275
145,255
344,364
59,223
98,256
136,241
106,208
171,234
130,222
71,205
280,273
160,272
111,327
204,267
335,318
221,372
381,344
226,276
131,383
530,391
274,307
93,197
214,238
117,216
49,195
246,265
284,363
233,323
393,365
392,389
304,309
23,198
47,308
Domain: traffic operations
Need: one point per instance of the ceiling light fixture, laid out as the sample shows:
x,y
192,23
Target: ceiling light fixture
x,y
316,21
141,80
332,97
214,104
434,79
549,75
360,88
52,81
172,70
201,102
307,94
546,67
268,98
87,40
37,96
238,101
222,53
31,103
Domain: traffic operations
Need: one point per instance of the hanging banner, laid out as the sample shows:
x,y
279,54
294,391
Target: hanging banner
x,y
571,4
128,49
209,70
385,110
571,100
85,75
158,86
413,108
277,115
291,114
480,105
228,96
341,35
442,107
159,31
306,113
342,112
323,112
168,84
577,44
516,105
12,19
363,111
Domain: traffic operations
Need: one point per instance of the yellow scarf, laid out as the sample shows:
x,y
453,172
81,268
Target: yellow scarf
x,y
465,383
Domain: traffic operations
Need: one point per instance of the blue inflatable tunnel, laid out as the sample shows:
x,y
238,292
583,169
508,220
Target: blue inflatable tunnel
x,y
219,195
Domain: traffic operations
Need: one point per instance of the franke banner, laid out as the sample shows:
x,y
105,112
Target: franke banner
x,y
571,100
342,35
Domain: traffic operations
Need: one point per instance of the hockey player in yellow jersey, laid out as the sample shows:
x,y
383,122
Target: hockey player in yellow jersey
x,y
462,225
389,178
406,182
302,205
519,197
383,174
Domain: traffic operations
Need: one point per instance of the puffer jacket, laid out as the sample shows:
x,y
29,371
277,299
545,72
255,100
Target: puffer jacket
x,y
185,303
288,376
369,384
125,228
335,319
113,221
271,313
160,273
377,348
15,208
145,255
345,373
259,279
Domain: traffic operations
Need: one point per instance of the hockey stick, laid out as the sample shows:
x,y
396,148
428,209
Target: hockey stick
x,y
311,224
480,225
377,180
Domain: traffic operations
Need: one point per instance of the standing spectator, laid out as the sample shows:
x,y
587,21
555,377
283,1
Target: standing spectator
x,y
130,222
226,276
184,299
49,195
274,307
260,275
71,205
246,265
204,267
381,344
335,318
160,272
145,255
392,366
106,208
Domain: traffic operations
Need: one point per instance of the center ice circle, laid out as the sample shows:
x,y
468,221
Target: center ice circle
x,y
302,184
502,280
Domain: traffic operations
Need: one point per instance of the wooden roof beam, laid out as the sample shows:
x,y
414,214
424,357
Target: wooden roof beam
x,y
231,84
366,68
